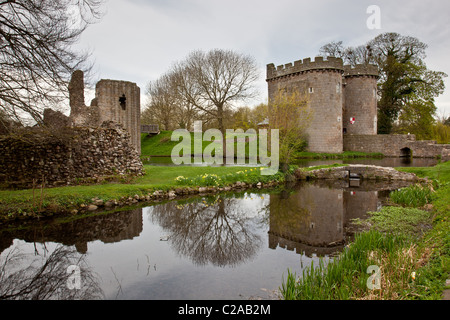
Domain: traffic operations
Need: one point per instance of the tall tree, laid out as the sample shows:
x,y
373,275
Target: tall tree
x,y
215,81
37,55
163,102
405,83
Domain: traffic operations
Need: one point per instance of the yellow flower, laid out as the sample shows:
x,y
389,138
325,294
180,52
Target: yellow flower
x,y
413,275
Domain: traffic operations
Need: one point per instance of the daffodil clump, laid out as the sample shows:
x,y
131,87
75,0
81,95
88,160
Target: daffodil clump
x,y
210,180
251,175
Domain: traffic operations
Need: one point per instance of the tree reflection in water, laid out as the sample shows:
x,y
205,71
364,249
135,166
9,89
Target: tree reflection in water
x,y
213,230
45,278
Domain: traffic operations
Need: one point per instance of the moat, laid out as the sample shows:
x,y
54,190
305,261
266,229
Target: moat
x,y
227,246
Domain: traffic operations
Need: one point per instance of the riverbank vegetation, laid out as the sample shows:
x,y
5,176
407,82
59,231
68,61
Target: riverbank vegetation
x,y
32,203
402,252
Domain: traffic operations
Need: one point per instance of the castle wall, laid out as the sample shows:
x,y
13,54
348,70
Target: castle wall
x,y
322,81
117,101
360,100
108,94
325,129
67,157
395,145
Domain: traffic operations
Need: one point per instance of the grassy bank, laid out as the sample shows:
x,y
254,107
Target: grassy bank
x,y
35,202
407,242
161,145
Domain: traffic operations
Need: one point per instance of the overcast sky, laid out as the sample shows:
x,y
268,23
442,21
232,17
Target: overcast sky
x,y
138,40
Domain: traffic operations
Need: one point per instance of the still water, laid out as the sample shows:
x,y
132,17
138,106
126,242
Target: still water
x,y
226,246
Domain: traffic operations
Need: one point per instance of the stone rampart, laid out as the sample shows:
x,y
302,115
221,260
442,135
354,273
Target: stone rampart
x,y
331,63
396,146
72,155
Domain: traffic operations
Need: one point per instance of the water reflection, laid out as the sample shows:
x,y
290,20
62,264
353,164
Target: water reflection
x,y
36,276
214,230
314,218
202,247
108,228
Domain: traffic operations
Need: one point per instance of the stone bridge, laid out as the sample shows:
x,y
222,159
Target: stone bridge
x,y
363,172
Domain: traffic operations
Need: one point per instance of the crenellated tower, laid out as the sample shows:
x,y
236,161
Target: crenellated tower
x,y
342,99
360,99
321,80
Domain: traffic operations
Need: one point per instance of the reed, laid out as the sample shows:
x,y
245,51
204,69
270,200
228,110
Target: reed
x,y
416,195
346,276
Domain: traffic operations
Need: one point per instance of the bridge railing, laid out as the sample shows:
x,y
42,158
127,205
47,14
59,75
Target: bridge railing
x,y
149,128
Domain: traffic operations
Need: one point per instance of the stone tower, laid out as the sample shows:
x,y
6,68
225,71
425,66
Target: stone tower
x,y
322,81
360,99
117,101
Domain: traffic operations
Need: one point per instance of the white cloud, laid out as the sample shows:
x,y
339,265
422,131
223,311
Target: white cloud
x,y
138,40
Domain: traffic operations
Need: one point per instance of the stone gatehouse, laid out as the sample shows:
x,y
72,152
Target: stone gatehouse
x,y
343,101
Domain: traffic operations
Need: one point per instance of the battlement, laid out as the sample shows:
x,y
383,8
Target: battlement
x,y
361,70
299,66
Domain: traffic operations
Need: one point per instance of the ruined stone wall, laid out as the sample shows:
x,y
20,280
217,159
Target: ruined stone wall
x,y
117,101
395,145
68,157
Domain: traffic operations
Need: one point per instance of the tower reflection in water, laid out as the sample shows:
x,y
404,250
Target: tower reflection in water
x,y
316,218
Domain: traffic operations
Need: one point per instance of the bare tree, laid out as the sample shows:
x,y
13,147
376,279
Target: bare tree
x,y
350,55
162,105
36,52
46,279
216,80
166,107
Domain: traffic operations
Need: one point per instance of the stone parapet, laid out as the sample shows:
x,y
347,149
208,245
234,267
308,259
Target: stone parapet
x,y
300,66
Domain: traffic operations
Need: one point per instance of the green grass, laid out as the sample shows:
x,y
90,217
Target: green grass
x,y
440,172
398,220
417,195
345,277
15,203
410,246
161,145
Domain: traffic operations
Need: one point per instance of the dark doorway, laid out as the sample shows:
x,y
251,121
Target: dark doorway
x,y
406,153
123,102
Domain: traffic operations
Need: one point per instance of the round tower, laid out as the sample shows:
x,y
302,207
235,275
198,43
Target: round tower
x,y
360,99
321,80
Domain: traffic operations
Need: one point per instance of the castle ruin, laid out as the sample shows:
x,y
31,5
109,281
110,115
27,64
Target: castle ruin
x,y
117,101
343,101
